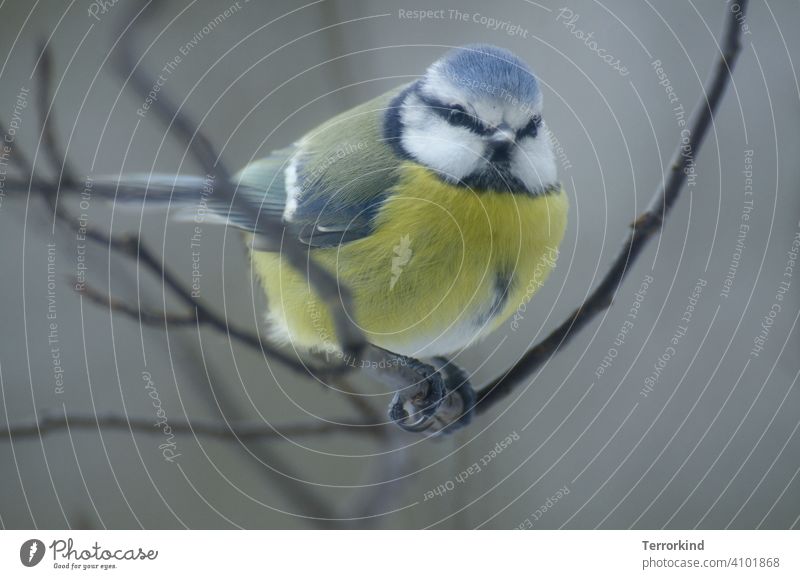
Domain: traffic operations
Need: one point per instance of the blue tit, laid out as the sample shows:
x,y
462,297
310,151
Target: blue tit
x,y
437,204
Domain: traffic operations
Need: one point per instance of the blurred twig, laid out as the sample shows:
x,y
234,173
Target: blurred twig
x,y
128,245
242,430
57,157
336,297
643,228
220,399
647,225
22,162
279,471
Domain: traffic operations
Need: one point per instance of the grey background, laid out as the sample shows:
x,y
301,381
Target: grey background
x,y
713,446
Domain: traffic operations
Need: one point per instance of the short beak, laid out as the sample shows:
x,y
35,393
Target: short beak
x,y
502,135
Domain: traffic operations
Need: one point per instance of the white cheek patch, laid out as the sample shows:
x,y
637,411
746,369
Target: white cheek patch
x,y
455,152
533,161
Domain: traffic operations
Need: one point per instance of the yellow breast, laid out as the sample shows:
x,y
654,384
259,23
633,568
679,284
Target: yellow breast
x,y
443,267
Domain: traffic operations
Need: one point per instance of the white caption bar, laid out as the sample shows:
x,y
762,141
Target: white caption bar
x,y
389,554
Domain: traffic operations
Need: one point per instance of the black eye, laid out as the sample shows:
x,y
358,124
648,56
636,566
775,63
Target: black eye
x,y
532,128
459,116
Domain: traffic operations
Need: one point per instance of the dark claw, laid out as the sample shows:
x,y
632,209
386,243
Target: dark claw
x,y
457,408
442,401
414,408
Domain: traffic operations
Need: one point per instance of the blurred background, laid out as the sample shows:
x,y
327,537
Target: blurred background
x,y
670,420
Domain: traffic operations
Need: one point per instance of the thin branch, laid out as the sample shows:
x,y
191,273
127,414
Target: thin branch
x,y
278,470
22,162
57,157
131,245
145,316
643,229
361,405
50,422
173,117
337,297
202,315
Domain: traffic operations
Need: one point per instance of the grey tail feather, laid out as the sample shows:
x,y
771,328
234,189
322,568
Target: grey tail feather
x,y
153,188
188,194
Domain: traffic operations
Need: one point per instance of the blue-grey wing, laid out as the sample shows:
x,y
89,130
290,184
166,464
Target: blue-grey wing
x,y
325,190
340,175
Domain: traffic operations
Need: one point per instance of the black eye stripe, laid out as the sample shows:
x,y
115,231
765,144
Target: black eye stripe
x,y
532,128
454,114
458,116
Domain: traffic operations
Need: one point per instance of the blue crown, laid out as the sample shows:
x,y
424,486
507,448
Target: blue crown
x,y
482,68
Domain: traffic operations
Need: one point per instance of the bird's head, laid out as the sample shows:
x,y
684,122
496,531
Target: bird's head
x,y
475,118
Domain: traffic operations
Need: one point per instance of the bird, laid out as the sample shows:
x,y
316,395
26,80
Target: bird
x,y
437,204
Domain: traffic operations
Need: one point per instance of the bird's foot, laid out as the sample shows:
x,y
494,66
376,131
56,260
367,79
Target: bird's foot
x,y
440,400
458,405
414,407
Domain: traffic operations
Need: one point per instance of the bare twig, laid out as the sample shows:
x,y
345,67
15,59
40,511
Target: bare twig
x,y
145,316
327,286
243,430
278,470
131,245
22,162
643,229
57,157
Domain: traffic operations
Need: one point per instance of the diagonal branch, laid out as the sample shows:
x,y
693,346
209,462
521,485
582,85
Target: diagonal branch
x,y
337,297
325,284
131,245
49,422
57,157
643,229
646,226
22,162
278,471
